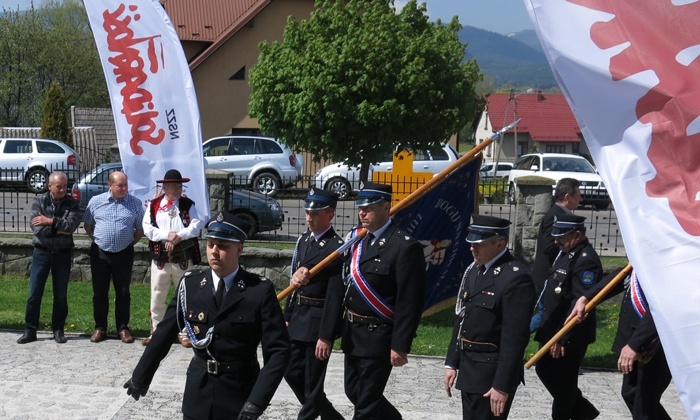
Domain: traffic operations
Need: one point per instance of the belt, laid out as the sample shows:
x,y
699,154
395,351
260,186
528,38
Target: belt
x,y
364,320
308,301
476,346
53,251
214,367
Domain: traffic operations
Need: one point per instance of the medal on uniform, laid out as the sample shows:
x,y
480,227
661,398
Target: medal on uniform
x,y
196,329
557,289
200,316
465,295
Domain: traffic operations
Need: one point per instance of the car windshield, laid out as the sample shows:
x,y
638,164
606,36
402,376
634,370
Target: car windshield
x,y
565,164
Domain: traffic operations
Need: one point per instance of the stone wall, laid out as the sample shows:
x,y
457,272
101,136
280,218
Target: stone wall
x,y
16,259
533,199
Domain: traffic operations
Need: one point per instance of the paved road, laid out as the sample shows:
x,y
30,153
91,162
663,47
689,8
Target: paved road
x,y
82,380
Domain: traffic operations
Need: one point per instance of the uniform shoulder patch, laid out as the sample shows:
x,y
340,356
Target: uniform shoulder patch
x,y
588,278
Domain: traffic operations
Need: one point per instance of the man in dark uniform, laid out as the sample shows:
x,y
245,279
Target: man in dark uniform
x,y
383,302
313,310
642,359
492,327
575,271
227,312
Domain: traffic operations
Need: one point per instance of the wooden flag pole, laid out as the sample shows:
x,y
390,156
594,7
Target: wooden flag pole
x,y
413,197
572,322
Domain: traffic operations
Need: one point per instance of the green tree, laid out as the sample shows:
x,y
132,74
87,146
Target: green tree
x,y
358,77
54,124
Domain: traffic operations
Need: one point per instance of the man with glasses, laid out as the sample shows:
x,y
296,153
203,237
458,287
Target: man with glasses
x,y
383,303
54,218
171,224
492,327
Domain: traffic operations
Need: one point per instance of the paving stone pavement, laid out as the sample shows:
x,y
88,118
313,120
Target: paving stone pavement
x,y
83,380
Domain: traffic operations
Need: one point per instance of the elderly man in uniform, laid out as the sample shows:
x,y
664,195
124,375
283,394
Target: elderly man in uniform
x,y
383,302
575,271
227,312
492,327
171,224
313,310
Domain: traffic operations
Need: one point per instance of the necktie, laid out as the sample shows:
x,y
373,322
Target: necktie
x,y
220,290
370,238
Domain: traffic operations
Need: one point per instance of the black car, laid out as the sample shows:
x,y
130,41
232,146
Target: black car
x,y
261,212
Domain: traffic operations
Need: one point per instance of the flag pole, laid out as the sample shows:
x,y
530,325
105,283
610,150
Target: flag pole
x,y
572,322
413,197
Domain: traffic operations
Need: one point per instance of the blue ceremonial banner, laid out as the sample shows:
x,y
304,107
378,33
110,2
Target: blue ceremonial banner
x,y
439,221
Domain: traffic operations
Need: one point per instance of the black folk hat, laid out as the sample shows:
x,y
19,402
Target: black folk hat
x,y
227,227
485,227
317,199
173,175
373,192
567,223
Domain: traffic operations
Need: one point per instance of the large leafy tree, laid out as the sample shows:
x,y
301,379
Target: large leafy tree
x,y
358,77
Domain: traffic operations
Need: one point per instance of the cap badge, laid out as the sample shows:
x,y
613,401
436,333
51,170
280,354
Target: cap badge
x,y
220,217
312,192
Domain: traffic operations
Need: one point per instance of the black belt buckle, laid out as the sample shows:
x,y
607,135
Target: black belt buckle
x,y
213,367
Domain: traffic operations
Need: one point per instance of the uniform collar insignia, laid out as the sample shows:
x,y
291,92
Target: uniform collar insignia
x,y
322,243
516,268
203,282
382,241
241,284
497,271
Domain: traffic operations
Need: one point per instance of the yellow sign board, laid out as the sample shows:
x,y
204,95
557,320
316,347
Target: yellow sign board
x,y
402,179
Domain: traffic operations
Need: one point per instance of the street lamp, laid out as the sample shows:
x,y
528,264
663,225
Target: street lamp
x,y
499,145
513,97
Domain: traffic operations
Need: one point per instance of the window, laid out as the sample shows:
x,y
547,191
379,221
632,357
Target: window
x,y
269,146
18,146
48,147
555,148
439,154
217,147
239,75
244,146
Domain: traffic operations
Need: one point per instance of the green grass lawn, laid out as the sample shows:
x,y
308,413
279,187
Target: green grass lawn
x,y
433,334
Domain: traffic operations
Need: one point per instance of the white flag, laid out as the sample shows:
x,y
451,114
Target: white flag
x,y
152,94
631,73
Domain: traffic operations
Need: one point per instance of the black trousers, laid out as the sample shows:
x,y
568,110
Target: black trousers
x,y
365,380
476,407
560,377
306,376
108,267
643,387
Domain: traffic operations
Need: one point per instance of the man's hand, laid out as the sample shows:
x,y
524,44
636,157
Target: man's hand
x,y
579,310
250,411
398,358
625,363
301,277
450,375
174,238
134,390
323,349
42,220
498,401
557,351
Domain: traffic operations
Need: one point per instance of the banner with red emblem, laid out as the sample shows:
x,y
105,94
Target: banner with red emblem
x,y
153,100
630,70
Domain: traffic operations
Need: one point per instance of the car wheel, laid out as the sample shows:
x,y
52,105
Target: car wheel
x,y
250,219
511,194
266,183
340,186
37,180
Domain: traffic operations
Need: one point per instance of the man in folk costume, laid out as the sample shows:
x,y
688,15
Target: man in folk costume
x,y
313,311
485,357
383,304
171,224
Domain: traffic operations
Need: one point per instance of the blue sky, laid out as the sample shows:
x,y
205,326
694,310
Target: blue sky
x,y
501,16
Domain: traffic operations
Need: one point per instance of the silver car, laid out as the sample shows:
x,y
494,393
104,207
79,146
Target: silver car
x,y
261,163
28,162
344,180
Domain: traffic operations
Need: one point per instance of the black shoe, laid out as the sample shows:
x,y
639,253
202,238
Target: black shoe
x,y
28,337
59,336
328,412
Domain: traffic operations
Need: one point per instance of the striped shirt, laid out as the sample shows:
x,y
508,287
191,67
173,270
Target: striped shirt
x,y
114,221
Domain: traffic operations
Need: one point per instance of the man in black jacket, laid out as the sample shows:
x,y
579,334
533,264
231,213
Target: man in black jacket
x,y
54,218
227,312
383,304
575,271
313,310
492,326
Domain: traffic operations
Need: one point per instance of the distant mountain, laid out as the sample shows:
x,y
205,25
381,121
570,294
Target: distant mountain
x,y
510,60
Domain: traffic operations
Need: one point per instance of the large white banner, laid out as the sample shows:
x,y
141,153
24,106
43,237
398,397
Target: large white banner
x,y
631,73
152,94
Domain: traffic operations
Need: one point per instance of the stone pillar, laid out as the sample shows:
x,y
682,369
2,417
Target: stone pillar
x,y
219,190
533,197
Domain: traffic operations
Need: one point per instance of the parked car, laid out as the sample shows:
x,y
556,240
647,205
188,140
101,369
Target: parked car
x,y
487,170
557,166
261,212
345,180
261,163
29,162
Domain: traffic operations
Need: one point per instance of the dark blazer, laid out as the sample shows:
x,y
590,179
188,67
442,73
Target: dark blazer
x,y
395,268
546,251
572,276
497,310
249,308
309,323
